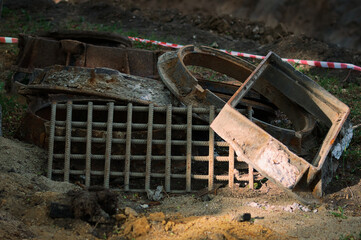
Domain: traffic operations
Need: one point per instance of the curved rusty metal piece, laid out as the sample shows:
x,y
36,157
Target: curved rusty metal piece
x,y
180,81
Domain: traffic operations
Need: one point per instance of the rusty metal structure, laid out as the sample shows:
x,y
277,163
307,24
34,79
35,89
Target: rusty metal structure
x,y
85,49
176,76
264,152
168,147
117,116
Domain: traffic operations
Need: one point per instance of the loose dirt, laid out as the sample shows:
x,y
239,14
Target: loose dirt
x,y
26,197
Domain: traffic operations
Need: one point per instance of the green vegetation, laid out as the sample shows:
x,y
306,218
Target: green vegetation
x,y
12,112
350,237
340,213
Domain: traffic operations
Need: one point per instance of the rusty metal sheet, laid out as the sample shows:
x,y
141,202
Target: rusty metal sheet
x,y
98,82
265,153
92,49
86,49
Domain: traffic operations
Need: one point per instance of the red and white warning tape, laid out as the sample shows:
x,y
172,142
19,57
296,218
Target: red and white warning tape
x,y
247,55
322,64
8,40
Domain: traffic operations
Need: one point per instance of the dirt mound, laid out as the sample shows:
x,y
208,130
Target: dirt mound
x,y
334,21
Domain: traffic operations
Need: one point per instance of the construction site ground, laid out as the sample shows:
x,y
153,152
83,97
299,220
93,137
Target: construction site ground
x,y
26,194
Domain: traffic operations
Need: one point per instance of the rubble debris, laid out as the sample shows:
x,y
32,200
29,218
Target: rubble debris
x,y
130,212
245,217
136,228
155,195
94,204
268,155
289,208
120,217
144,206
296,206
157,217
58,210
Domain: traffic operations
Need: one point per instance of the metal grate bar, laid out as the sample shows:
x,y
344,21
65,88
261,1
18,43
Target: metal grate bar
x,y
211,152
250,168
149,147
67,140
51,140
168,147
137,126
189,149
88,144
127,147
231,167
108,144
111,155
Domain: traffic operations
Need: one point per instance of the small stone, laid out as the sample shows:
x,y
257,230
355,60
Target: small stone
x,y
141,227
322,208
214,45
169,226
242,217
315,211
130,211
253,204
305,209
137,227
206,198
158,217
120,217
144,206
255,30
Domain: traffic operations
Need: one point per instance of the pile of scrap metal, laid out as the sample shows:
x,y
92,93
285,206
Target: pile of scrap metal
x,y
82,66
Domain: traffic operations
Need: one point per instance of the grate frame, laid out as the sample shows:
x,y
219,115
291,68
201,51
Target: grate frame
x,y
147,175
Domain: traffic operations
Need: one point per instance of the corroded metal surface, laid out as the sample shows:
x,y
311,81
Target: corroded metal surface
x,y
265,153
175,75
86,49
124,152
99,82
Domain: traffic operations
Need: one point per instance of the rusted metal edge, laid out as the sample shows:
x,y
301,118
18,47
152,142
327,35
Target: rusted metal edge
x,y
103,38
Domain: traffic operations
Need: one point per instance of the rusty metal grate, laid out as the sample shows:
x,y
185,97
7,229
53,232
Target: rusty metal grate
x,y
111,145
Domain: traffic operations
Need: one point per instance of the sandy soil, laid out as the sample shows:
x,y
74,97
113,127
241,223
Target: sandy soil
x,y
26,197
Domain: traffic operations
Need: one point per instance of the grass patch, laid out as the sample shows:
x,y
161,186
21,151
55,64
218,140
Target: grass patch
x,y
12,112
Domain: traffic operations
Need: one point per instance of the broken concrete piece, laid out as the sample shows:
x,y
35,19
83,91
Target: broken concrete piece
x,y
155,195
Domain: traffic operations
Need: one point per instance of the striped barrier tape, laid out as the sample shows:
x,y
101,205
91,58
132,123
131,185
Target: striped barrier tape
x,y
8,40
322,64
